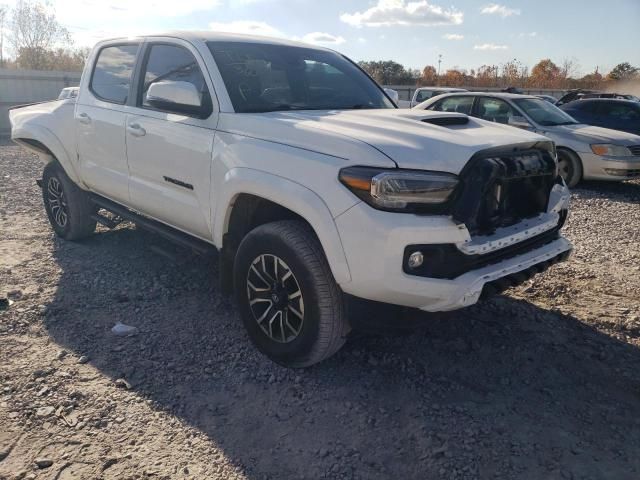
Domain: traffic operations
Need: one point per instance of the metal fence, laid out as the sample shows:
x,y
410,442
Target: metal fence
x,y
26,86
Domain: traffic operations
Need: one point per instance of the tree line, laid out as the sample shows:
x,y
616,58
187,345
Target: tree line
x,y
544,74
36,39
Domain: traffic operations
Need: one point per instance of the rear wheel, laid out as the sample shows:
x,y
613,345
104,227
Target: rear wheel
x,y
68,207
569,167
289,301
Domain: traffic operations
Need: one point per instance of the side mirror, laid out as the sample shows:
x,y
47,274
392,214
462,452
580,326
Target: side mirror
x,y
518,122
181,97
393,95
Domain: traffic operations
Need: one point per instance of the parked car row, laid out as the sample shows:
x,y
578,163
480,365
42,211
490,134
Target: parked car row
x,y
584,151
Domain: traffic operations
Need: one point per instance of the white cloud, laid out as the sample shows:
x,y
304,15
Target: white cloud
x,y
250,27
77,10
322,38
362,40
400,12
496,9
490,46
453,36
530,35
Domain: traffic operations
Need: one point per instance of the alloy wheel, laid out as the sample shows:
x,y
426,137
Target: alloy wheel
x,y
275,298
57,202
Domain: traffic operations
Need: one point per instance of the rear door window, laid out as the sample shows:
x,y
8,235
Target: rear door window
x,y
454,104
619,111
111,77
495,110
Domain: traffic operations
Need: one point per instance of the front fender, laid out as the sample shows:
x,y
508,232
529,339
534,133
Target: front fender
x,y
289,194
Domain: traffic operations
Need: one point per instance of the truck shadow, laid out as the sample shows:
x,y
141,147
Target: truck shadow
x,y
501,388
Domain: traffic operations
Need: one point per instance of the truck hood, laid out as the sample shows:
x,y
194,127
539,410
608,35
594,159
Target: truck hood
x,y
591,134
405,137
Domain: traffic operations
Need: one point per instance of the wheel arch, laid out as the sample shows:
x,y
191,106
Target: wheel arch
x,y
575,154
249,198
44,143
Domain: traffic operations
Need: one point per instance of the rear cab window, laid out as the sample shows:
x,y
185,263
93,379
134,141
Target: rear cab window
x,y
113,71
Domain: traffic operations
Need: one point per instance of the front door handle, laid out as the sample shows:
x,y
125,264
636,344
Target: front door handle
x,y
84,118
136,130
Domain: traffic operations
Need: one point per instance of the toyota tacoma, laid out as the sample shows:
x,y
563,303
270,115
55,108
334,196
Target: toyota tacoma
x,y
299,170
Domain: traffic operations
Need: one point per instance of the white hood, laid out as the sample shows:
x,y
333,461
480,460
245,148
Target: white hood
x,y
400,135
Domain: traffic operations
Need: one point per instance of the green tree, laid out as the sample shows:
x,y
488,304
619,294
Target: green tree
x,y
624,71
388,72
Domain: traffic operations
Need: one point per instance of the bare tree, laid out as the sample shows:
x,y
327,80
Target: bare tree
x,y
3,15
35,31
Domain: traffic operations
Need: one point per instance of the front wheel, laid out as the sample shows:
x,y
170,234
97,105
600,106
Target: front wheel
x,y
68,206
569,167
290,304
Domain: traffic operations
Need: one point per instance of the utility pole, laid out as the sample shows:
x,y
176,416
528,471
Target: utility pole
x,y
439,61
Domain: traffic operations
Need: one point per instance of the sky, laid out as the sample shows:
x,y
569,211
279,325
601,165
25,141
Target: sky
x,y
467,33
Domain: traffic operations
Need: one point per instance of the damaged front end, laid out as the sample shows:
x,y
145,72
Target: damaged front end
x,y
511,201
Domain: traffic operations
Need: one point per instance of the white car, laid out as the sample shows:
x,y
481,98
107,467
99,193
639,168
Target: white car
x,y
584,151
423,94
296,167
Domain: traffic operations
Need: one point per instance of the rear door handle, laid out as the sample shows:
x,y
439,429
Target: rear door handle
x,y
136,130
84,118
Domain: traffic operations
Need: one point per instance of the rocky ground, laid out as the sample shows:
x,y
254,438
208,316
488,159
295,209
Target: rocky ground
x,y
542,383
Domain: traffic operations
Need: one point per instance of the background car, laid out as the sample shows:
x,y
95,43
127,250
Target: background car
x,y
425,93
580,94
617,114
584,152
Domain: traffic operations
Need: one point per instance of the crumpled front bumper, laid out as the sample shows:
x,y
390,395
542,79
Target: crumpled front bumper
x,y
375,258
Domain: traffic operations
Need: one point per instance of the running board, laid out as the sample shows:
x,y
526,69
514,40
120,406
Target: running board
x,y
171,234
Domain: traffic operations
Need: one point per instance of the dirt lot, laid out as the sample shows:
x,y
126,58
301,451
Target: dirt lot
x,y
543,383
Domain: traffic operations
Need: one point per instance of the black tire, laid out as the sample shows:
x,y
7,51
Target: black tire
x,y
570,167
68,206
323,326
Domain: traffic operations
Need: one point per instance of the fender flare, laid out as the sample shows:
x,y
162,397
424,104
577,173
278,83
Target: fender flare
x,y
289,194
49,140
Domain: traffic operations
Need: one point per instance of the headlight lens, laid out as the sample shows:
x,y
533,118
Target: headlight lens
x,y
403,190
610,150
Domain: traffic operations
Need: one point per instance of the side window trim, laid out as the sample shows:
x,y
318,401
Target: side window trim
x,y
131,80
141,71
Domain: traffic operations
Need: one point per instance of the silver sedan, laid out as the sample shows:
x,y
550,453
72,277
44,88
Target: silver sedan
x,y
584,151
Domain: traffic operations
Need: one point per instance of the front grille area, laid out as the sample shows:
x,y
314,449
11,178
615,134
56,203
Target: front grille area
x,y
635,150
501,187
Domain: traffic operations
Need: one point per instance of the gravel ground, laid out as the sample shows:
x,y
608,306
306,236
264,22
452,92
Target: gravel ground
x,y
542,383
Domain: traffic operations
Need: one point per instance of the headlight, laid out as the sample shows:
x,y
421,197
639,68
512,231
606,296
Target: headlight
x,y
610,150
404,190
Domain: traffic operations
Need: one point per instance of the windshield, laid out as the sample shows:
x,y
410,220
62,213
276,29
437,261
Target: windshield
x,y
262,77
544,113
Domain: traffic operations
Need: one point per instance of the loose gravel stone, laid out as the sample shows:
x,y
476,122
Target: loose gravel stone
x,y
538,383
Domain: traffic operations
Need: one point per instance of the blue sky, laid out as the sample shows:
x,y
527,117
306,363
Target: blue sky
x,y
468,33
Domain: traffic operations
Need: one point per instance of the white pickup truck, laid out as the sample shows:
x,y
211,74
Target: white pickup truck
x,y
297,168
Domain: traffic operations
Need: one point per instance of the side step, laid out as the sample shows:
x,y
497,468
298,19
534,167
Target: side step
x,y
171,234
